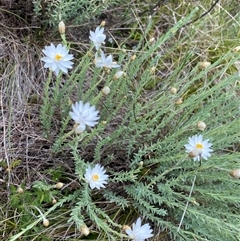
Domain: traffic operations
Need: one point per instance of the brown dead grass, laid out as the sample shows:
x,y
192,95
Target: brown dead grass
x,y
21,86
25,152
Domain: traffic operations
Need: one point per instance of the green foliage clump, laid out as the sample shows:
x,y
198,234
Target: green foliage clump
x,y
140,140
74,11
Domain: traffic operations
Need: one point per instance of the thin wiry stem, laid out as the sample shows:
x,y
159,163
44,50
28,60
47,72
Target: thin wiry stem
x,y
184,212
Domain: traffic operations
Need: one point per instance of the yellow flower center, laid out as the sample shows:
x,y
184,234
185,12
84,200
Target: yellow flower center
x,y
199,146
95,177
58,57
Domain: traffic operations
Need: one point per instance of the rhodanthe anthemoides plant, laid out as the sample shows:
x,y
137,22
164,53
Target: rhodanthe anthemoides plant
x,y
139,232
105,62
197,147
97,37
57,58
84,115
135,160
96,176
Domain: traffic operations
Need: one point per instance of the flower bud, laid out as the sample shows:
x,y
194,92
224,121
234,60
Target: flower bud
x,y
235,173
153,69
173,90
77,129
195,202
179,101
125,227
106,90
61,27
89,54
45,222
54,201
107,70
133,57
151,40
19,190
201,126
59,185
70,102
84,230
204,64
141,164
119,74
236,49
103,23
104,122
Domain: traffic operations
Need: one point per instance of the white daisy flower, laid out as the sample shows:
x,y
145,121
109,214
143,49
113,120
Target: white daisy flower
x,y
57,58
138,232
105,62
97,37
197,147
96,176
84,115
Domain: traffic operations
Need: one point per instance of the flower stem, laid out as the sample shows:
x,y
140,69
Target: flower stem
x,y
184,212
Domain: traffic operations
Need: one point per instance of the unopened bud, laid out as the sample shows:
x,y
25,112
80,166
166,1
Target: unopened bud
x,y
54,201
45,222
106,90
70,102
235,173
19,190
84,230
153,69
104,122
133,57
179,101
119,74
195,202
59,185
107,70
141,163
89,54
151,40
236,49
173,90
204,64
201,126
103,23
78,129
61,27
125,227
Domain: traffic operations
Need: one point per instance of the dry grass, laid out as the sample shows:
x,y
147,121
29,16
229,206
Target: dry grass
x,y
25,153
